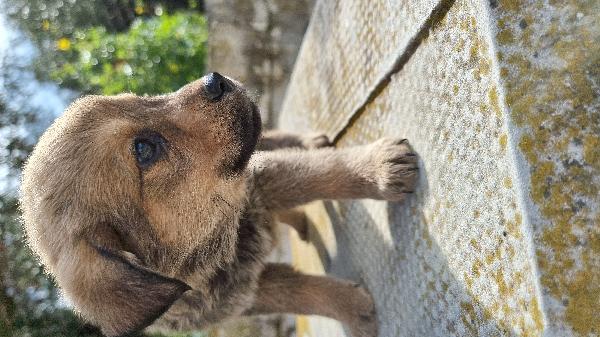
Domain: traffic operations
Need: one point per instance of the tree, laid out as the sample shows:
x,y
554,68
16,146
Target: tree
x,y
51,24
156,55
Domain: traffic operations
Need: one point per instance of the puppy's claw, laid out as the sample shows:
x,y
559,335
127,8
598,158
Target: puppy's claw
x,y
408,159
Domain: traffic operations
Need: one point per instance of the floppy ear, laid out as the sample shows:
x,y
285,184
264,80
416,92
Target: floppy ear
x,y
111,289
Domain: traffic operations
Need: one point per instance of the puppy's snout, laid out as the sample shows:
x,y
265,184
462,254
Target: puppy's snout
x,y
215,86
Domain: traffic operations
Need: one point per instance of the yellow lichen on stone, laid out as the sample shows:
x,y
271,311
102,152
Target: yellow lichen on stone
x,y
474,51
503,140
549,58
513,227
494,102
536,313
591,150
584,291
476,268
503,288
469,317
505,36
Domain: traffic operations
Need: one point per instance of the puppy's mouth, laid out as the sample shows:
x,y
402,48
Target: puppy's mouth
x,y
246,132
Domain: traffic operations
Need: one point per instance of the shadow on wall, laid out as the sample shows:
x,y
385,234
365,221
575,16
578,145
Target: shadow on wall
x,y
405,253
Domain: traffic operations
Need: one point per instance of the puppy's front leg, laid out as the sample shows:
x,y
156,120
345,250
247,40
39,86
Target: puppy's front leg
x,y
276,139
386,169
296,219
284,290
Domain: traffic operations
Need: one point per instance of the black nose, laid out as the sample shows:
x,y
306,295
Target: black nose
x,y
215,86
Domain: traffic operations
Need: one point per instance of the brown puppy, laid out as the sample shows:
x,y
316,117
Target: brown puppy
x,y
146,210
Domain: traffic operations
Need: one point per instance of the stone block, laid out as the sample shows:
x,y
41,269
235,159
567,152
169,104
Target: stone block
x,y
500,99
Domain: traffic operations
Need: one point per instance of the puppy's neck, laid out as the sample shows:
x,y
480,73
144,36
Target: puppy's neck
x,y
200,224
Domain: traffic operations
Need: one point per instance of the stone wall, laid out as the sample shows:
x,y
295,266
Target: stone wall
x,y
256,42
501,100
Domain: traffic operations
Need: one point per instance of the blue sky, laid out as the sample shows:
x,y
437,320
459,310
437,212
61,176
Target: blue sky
x,y
48,95
46,98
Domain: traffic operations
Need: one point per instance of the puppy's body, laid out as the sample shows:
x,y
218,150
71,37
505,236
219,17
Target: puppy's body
x,y
146,210
231,289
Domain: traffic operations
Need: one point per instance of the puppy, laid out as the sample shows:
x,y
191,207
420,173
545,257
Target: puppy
x,y
150,211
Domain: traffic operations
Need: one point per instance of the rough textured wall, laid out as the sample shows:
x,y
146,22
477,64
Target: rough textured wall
x,y
256,42
501,100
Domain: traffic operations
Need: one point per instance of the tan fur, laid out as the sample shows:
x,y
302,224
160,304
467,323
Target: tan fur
x,y
345,301
181,244
296,219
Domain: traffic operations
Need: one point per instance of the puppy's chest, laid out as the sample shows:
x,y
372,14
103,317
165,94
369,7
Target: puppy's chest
x,y
229,291
254,242
256,236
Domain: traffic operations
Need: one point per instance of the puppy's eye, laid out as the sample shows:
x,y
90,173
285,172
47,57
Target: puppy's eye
x,y
148,149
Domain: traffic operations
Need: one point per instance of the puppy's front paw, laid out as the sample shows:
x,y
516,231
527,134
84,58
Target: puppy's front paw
x,y
394,168
315,141
362,320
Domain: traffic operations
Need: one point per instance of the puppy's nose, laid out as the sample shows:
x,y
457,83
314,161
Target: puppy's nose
x,y
216,86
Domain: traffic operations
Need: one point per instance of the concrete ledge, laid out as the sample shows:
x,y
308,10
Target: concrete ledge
x,y
348,48
501,101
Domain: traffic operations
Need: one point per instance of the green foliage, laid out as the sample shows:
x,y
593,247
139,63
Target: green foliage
x,y
49,23
49,19
156,55
52,19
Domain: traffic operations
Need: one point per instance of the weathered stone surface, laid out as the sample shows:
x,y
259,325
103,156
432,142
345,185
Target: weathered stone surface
x,y
348,48
549,59
256,42
501,101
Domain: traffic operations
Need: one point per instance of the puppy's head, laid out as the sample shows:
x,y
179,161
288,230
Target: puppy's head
x,y
125,196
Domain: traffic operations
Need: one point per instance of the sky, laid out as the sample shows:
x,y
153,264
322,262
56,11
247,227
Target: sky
x,y
3,33
46,98
48,95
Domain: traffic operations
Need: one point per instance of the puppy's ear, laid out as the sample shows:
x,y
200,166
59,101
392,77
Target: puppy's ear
x,y
112,290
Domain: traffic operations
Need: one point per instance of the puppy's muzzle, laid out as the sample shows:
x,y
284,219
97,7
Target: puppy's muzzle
x,y
215,86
